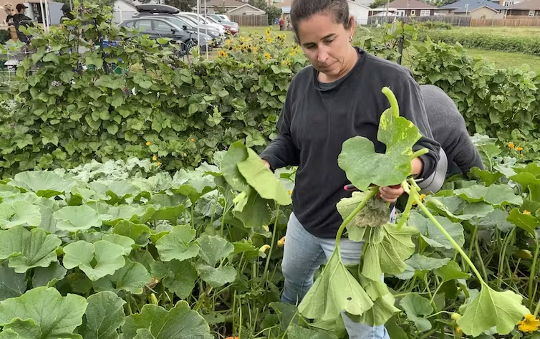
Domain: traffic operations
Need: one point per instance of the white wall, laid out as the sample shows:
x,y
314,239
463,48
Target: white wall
x,y
123,11
360,13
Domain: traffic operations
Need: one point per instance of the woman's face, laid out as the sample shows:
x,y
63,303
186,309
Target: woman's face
x,y
326,43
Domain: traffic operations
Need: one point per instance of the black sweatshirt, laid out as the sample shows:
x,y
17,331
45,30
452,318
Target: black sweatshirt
x,y
315,122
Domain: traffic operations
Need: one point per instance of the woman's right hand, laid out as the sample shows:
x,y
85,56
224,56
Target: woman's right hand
x,y
266,164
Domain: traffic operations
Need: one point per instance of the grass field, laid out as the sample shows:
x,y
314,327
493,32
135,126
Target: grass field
x,y
500,59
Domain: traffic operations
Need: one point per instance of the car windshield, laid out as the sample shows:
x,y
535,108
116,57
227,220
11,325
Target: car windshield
x,y
189,20
212,20
179,22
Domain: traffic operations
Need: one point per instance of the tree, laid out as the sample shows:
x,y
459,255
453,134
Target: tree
x,y
272,11
183,5
378,3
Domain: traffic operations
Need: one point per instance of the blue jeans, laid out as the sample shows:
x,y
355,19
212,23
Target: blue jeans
x,y
303,255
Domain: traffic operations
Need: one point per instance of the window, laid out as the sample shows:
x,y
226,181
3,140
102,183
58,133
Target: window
x,y
129,24
162,27
413,12
144,25
178,22
531,13
425,12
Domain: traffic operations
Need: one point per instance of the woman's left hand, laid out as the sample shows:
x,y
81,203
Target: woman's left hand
x,y
390,193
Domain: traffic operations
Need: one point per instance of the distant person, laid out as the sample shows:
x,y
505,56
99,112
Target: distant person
x,y
449,130
9,11
67,15
281,23
20,19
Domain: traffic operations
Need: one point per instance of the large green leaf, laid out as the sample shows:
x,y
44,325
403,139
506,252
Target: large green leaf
x,y
382,310
216,277
104,315
96,260
48,276
43,183
262,179
334,291
179,322
178,244
236,153
77,218
178,277
252,209
297,332
22,329
419,265
526,222
19,213
56,316
396,246
214,248
131,278
432,235
26,249
416,308
496,195
12,284
490,308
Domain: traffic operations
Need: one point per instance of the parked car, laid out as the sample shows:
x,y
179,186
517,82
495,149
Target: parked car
x,y
157,10
225,21
217,35
231,27
202,20
157,27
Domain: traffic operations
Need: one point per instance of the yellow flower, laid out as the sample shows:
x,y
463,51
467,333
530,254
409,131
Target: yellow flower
x,y
422,197
268,31
290,192
526,212
458,330
255,49
154,157
281,242
264,248
529,324
269,39
159,163
519,149
266,228
148,143
267,55
222,54
511,145
192,140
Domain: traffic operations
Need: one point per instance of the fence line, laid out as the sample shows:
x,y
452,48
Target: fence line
x,y
509,21
459,20
250,20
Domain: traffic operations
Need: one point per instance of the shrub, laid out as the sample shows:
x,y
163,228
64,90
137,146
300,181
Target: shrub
x,y
526,45
435,25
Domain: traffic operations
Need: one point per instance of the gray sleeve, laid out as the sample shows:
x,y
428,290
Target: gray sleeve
x,y
434,182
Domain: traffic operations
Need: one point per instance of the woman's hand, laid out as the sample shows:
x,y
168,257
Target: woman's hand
x,y
390,193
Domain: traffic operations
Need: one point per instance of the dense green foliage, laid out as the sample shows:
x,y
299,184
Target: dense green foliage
x,y
482,40
501,103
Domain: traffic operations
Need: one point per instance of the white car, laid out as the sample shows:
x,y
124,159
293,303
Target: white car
x,y
202,20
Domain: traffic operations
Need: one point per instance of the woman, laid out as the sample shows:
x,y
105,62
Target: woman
x,y
337,97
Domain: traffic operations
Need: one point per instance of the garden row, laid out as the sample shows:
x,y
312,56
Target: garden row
x,y
485,40
178,114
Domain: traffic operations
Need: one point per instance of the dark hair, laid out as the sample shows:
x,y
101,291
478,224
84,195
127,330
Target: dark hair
x,y
304,9
20,6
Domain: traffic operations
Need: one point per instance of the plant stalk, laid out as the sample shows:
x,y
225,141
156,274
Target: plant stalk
x,y
443,231
533,273
371,193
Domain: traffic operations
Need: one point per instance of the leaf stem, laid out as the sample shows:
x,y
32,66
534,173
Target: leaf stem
x,y
419,153
274,231
532,280
393,101
371,193
406,212
444,232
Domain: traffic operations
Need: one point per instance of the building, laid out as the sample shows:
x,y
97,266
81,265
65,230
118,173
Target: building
x,y
530,8
124,10
406,8
246,9
476,9
360,12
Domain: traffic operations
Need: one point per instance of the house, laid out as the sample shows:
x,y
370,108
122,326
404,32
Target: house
x,y
406,8
280,3
246,9
476,9
529,8
359,11
124,10
509,3
220,6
